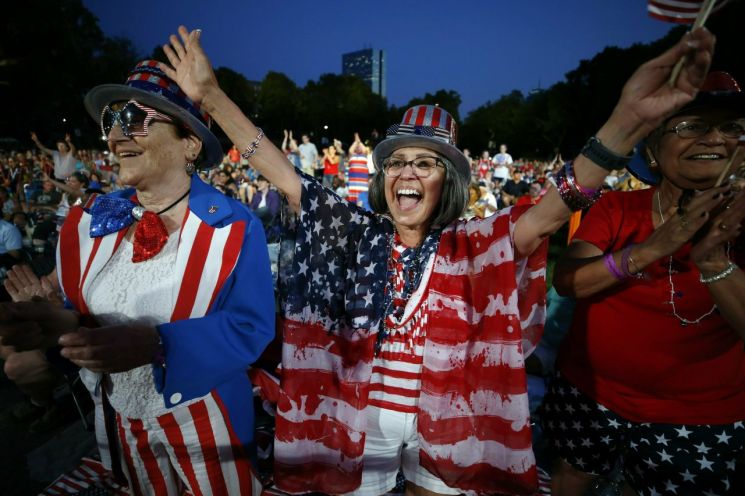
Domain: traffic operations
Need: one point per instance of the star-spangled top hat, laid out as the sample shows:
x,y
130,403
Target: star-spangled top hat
x,y
720,90
427,126
150,86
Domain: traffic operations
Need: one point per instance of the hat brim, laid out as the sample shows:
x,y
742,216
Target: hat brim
x,y
639,168
734,101
103,95
389,145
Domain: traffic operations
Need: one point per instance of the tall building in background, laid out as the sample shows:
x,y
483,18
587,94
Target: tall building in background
x,y
367,64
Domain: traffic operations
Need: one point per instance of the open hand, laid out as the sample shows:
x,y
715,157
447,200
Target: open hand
x,y
649,97
189,68
116,348
22,285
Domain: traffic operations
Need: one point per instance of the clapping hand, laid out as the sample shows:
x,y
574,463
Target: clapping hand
x,y
34,324
23,285
111,349
709,253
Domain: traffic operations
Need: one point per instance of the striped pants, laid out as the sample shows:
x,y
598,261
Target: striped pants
x,y
189,448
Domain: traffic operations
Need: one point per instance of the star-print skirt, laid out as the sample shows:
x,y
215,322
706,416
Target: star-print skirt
x,y
657,458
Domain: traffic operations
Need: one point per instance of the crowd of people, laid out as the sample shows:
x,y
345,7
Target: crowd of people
x,y
411,293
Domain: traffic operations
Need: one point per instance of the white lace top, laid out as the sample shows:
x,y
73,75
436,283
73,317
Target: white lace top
x,y
144,293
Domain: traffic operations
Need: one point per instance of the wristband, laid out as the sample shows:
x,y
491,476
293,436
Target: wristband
x,y
603,157
610,264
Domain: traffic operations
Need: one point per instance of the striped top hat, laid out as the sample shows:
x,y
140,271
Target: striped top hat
x,y
150,86
426,126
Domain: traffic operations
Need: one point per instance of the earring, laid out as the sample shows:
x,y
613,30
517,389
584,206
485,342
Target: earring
x,y
190,167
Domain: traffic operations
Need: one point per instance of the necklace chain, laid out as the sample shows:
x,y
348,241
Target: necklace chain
x,y
683,320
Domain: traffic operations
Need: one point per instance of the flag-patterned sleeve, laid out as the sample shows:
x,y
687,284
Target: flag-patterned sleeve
x,y
331,255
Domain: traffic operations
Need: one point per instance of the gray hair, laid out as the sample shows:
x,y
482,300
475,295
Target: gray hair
x,y
452,203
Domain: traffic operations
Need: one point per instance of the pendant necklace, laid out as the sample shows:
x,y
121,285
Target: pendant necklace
x,y
683,321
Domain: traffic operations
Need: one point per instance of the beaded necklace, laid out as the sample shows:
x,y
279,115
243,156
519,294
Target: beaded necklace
x,y
412,261
683,321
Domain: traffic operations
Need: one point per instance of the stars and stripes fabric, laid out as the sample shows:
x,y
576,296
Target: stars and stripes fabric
x,y
658,458
227,329
486,308
218,467
397,366
426,120
678,11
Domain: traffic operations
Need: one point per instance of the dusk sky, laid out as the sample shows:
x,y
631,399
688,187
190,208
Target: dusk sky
x,y
483,49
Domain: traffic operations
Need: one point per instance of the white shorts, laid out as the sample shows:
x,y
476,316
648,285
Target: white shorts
x,y
391,443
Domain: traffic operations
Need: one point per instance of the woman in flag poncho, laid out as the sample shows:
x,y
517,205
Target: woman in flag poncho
x,y
405,330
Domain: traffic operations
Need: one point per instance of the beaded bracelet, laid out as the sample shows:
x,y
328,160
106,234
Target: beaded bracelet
x,y
721,275
251,148
572,194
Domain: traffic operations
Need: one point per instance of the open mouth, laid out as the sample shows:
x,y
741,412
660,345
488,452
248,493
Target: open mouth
x,y
408,198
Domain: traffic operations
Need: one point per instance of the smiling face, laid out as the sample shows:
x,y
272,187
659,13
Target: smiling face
x,y
413,201
153,160
695,163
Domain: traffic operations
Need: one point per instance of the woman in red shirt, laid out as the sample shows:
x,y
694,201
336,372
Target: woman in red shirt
x,y
653,369
330,165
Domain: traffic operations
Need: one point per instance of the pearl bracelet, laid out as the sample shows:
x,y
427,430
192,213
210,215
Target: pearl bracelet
x,y
721,275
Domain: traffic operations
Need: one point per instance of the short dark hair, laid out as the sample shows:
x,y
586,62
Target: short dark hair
x,y
82,178
453,200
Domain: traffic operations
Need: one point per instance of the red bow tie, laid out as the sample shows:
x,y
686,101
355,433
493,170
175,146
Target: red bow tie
x,y
150,237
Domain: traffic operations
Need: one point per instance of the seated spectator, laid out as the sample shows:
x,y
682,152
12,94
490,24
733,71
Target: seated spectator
x,y
7,205
73,191
11,244
487,202
533,196
47,198
514,188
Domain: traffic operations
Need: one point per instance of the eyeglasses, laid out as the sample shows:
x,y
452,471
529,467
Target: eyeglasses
x,y
133,118
422,166
696,129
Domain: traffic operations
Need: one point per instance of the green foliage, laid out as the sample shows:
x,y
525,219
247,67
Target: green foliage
x,y
53,51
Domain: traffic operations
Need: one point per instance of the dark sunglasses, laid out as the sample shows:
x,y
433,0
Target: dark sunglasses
x,y
133,118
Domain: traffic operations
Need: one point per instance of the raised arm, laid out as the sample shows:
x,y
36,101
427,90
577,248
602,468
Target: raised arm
x,y
41,147
72,148
645,100
77,193
191,70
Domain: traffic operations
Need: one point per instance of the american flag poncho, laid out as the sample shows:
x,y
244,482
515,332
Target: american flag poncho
x,y
487,312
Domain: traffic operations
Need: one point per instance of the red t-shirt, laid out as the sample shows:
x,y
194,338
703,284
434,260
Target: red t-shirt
x,y
234,155
330,168
629,352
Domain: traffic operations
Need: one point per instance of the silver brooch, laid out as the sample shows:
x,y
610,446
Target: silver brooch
x,y
213,209
137,212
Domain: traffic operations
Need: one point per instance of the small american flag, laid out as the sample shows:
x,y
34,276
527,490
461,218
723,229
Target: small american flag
x,y
679,11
